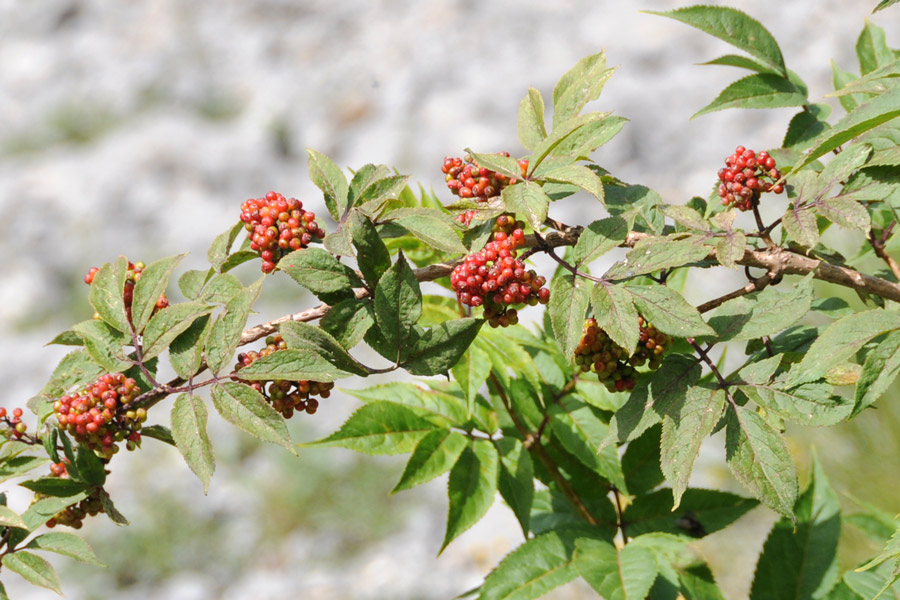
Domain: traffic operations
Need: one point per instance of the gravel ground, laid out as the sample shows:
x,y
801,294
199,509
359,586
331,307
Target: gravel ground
x,y
138,128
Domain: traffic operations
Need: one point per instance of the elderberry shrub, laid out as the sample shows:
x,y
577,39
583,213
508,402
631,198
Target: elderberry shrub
x,y
278,225
101,414
467,179
745,176
285,396
597,352
132,276
493,278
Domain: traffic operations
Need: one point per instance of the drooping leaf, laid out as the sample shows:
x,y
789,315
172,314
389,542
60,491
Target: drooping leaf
x,y
806,126
762,313
668,311
34,569
441,346
90,468
569,300
616,573
66,544
398,304
471,371
528,200
581,430
841,340
471,488
683,430
798,561
55,486
380,427
434,405
348,321
516,479
616,315
734,27
305,337
371,253
189,417
700,512
759,459
879,371
434,455
10,518
246,408
641,462
884,4
760,90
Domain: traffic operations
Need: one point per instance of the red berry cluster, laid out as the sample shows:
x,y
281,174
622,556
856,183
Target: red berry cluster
x,y
495,279
15,427
467,179
276,226
132,276
285,396
74,516
99,415
745,176
611,362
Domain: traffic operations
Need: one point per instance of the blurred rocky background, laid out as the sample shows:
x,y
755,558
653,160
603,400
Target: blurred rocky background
x,y
139,127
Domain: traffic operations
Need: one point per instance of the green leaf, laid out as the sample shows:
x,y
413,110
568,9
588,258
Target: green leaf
x,y
736,28
380,428
90,469
506,165
44,509
884,4
435,454
578,86
683,430
743,62
761,90
398,304
191,282
809,404
327,176
66,544
838,169
806,126
189,417
292,364
668,311
539,565
655,254
221,246
441,346
700,513
471,371
246,408
111,511
169,323
841,79
10,518
320,273
584,140
569,300
434,405
762,313
598,238
104,343
872,49
799,560
759,459
371,253
152,284
432,226
641,462
186,350
654,395
75,369
879,371
348,321
577,175
516,479
730,249
471,488
616,573
531,119
840,340
107,294
225,334
528,200
864,117
580,429
311,339
158,432
34,569
19,465
846,213
616,315
685,216
55,486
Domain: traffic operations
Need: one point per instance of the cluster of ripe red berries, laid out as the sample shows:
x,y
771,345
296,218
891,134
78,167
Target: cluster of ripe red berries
x,y
15,427
132,276
495,279
285,396
745,176
74,516
277,225
467,179
99,415
611,362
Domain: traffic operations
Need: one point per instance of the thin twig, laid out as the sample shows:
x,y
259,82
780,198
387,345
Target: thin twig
x,y
878,246
620,515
